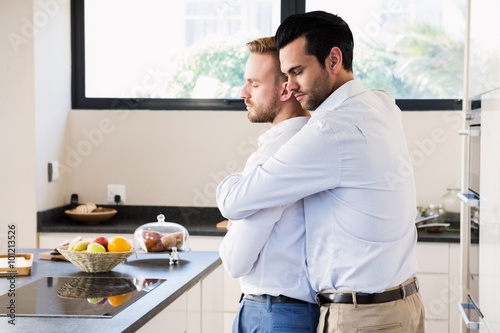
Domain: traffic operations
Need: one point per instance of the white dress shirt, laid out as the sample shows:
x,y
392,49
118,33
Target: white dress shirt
x,y
351,164
267,251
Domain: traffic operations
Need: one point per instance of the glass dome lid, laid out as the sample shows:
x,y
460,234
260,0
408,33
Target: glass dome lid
x,y
161,236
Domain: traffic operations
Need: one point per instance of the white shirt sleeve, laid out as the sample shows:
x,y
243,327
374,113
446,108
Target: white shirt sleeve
x,y
307,164
242,244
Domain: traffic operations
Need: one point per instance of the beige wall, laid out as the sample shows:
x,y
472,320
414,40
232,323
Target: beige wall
x,y
177,158
17,126
163,157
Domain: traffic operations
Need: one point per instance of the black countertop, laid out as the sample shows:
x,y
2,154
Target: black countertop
x,y
199,221
192,268
448,235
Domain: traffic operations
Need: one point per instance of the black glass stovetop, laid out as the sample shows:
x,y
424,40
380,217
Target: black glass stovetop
x,y
99,297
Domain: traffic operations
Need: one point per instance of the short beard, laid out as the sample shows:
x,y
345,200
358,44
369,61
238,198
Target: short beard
x,y
319,93
264,113
266,116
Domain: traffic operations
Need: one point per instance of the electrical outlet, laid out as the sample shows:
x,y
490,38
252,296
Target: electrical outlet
x,y
116,190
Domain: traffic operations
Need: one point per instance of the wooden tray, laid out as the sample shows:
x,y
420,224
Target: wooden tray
x,y
222,224
19,269
51,256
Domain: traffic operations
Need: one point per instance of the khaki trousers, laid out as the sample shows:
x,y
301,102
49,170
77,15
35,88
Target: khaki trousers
x,y
402,316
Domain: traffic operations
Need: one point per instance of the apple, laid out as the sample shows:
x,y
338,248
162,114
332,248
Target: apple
x,y
95,247
94,300
101,240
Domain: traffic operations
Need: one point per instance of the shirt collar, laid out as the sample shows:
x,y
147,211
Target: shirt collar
x,y
344,92
295,123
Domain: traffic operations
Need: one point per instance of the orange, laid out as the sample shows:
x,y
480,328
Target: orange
x,y
118,244
117,300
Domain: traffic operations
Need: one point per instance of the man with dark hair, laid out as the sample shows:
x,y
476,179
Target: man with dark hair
x,y
270,260
350,164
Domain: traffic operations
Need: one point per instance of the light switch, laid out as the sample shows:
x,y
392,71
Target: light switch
x,y
53,170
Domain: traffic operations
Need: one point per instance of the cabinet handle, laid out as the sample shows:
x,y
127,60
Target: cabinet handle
x,y
470,132
473,325
469,199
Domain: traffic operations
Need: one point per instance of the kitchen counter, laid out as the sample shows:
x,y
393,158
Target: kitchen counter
x,y
199,221
448,235
193,267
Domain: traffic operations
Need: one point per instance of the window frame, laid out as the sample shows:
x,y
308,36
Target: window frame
x,y
80,101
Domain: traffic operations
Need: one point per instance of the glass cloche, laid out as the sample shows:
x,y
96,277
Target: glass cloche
x,y
161,236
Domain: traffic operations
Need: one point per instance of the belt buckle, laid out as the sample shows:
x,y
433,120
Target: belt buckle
x,y
316,298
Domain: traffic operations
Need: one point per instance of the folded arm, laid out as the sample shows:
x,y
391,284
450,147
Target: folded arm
x,y
243,243
307,164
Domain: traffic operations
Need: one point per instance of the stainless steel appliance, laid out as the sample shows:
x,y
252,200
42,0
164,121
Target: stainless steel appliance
x,y
469,229
483,208
474,132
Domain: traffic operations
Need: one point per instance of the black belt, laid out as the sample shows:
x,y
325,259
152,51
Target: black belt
x,y
274,299
363,298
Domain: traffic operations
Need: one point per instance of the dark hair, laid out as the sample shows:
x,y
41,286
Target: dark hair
x,y
322,31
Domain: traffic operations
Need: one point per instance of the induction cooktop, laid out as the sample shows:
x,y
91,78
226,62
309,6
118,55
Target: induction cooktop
x,y
96,297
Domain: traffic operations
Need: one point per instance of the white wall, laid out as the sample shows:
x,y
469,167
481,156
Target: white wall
x,y
52,94
435,149
17,126
163,157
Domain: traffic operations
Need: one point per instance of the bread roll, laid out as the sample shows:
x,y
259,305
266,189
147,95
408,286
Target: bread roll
x,y
173,240
82,209
90,206
86,208
152,241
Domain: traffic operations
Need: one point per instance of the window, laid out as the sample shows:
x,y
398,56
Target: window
x,y
190,54
413,49
162,54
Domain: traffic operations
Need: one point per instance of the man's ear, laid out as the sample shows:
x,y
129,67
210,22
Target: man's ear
x,y
334,60
285,94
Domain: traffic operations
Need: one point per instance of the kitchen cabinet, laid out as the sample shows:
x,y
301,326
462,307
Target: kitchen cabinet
x,y
199,310
439,278
173,319
489,254
484,62
232,291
